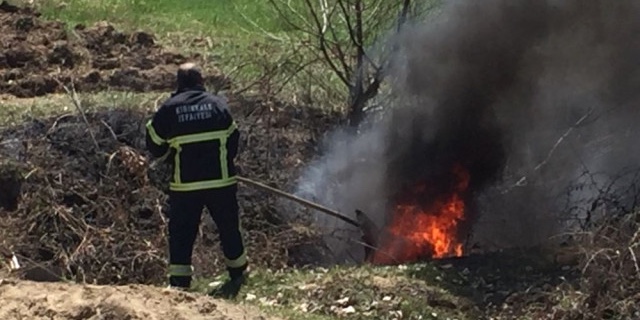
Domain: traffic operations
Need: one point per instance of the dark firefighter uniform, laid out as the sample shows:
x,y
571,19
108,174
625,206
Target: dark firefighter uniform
x,y
195,130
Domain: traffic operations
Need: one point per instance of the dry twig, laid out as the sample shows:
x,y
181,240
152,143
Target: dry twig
x,y
76,102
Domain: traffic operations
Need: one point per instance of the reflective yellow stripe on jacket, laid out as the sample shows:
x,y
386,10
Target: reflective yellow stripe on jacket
x,y
152,133
224,181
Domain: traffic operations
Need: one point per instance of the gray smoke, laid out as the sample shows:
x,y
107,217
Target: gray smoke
x,y
531,97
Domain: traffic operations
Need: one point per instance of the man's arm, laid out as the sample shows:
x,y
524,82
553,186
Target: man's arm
x,y
232,146
157,128
233,135
227,121
234,140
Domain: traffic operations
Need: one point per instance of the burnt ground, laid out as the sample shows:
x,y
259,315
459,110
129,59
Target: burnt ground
x,y
80,200
99,211
510,283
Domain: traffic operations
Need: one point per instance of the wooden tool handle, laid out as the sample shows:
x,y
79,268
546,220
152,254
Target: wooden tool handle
x,y
304,202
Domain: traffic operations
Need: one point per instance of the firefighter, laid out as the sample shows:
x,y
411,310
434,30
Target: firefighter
x,y
196,131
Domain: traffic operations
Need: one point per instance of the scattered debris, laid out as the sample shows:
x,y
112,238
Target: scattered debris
x,y
101,216
11,258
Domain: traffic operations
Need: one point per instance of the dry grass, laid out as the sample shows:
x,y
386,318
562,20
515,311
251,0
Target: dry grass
x,y
611,273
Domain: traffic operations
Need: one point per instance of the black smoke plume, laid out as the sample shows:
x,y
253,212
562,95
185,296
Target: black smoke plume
x,y
529,96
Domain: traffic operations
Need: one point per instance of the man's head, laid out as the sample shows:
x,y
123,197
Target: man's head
x,y
189,76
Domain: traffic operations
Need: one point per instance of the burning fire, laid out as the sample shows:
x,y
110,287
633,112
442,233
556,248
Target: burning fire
x,y
419,231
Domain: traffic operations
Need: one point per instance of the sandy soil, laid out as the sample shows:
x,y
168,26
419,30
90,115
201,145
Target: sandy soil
x,y
38,300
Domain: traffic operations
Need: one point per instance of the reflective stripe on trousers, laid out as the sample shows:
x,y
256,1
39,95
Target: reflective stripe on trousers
x,y
180,270
240,261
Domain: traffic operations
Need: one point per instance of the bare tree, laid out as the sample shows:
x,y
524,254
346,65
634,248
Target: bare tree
x,y
339,33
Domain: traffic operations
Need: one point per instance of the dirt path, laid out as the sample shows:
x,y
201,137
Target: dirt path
x,y
36,300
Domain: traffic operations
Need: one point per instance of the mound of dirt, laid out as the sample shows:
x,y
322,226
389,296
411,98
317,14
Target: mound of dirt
x,y
41,56
93,206
33,300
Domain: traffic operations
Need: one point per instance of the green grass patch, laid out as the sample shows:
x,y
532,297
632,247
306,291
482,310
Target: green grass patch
x,y
219,17
17,111
363,292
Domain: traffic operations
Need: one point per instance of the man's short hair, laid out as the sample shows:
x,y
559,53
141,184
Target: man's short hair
x,y
189,75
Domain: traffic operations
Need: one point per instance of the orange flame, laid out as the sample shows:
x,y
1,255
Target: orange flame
x,y
417,232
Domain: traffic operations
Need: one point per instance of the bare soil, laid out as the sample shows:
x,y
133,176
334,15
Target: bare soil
x,y
36,300
41,56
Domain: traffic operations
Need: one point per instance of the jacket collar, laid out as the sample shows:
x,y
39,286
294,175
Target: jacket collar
x,y
185,89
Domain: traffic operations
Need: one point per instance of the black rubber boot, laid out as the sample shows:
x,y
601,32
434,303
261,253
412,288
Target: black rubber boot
x,y
231,288
180,282
237,273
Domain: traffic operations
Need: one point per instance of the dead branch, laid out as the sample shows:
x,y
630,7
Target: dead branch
x,y
113,134
546,160
76,102
369,248
268,34
341,32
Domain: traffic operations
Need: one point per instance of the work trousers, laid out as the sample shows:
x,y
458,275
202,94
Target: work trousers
x,y
184,218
